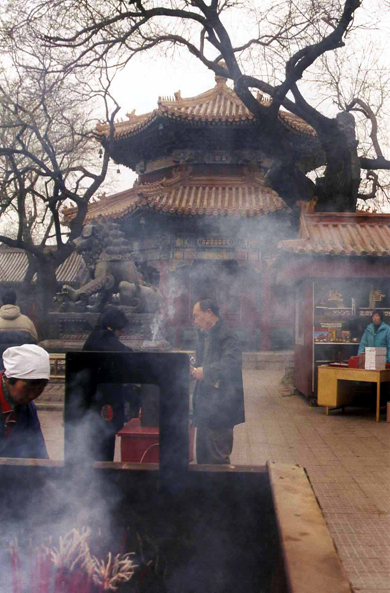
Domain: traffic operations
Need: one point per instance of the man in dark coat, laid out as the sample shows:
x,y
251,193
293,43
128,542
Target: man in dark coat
x,y
27,372
109,399
219,395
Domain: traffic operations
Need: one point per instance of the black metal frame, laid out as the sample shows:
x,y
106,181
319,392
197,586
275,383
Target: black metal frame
x,y
170,371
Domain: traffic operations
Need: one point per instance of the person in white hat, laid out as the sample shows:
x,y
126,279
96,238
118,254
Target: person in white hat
x,y
26,374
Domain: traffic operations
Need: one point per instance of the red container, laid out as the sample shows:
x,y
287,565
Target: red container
x,y
353,362
140,443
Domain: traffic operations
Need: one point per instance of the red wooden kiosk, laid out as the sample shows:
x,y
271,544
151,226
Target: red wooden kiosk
x,y
339,267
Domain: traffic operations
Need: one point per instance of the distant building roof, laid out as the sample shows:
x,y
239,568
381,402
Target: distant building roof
x,y
186,195
346,233
219,105
14,264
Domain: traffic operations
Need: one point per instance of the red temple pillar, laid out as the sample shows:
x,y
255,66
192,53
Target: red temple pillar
x,y
174,285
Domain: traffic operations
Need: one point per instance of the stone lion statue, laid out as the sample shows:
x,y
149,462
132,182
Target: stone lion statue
x,y
113,271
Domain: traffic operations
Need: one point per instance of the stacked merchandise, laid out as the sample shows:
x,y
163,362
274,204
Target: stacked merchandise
x,y
375,358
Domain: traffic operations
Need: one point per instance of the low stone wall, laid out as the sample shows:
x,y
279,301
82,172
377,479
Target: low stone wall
x,y
280,360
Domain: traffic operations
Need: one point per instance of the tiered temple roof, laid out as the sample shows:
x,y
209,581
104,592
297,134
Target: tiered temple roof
x,y
187,195
209,171
219,105
346,233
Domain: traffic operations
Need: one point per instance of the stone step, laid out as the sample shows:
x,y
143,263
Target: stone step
x,y
50,406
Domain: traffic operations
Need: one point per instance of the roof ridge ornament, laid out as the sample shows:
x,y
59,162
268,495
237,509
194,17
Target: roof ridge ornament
x,y
263,99
308,207
166,99
100,126
219,79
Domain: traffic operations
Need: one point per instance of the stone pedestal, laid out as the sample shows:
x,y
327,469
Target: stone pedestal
x,y
70,330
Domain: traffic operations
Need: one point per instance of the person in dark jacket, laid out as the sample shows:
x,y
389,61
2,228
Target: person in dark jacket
x,y
15,329
105,336
109,399
219,395
376,334
27,372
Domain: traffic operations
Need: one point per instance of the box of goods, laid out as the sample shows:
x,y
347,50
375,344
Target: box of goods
x,y
376,366
320,334
362,360
374,355
346,336
375,359
377,350
353,362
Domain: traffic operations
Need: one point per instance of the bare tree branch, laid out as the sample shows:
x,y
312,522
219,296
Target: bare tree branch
x,y
369,114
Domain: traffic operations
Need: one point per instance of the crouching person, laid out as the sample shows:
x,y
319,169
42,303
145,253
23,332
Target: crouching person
x,y
26,374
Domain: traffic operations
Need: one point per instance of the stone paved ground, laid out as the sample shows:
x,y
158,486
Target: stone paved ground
x,y
347,457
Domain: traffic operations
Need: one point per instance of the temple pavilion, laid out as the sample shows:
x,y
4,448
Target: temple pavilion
x,y
200,218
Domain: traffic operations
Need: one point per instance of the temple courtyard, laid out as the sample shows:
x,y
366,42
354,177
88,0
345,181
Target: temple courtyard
x,y
347,458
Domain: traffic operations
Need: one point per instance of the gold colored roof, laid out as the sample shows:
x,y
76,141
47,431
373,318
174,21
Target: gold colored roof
x,y
187,195
346,233
217,105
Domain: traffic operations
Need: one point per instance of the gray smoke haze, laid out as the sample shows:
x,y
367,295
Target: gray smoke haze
x,y
86,497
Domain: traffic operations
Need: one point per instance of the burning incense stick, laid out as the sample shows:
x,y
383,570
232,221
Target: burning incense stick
x,y
70,567
15,568
110,574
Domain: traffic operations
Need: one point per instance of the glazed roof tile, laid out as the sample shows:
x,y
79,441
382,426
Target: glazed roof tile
x,y
221,200
69,271
217,105
184,195
356,234
14,264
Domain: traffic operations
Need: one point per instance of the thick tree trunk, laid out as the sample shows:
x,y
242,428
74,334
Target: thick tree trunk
x,y
47,287
31,270
338,189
